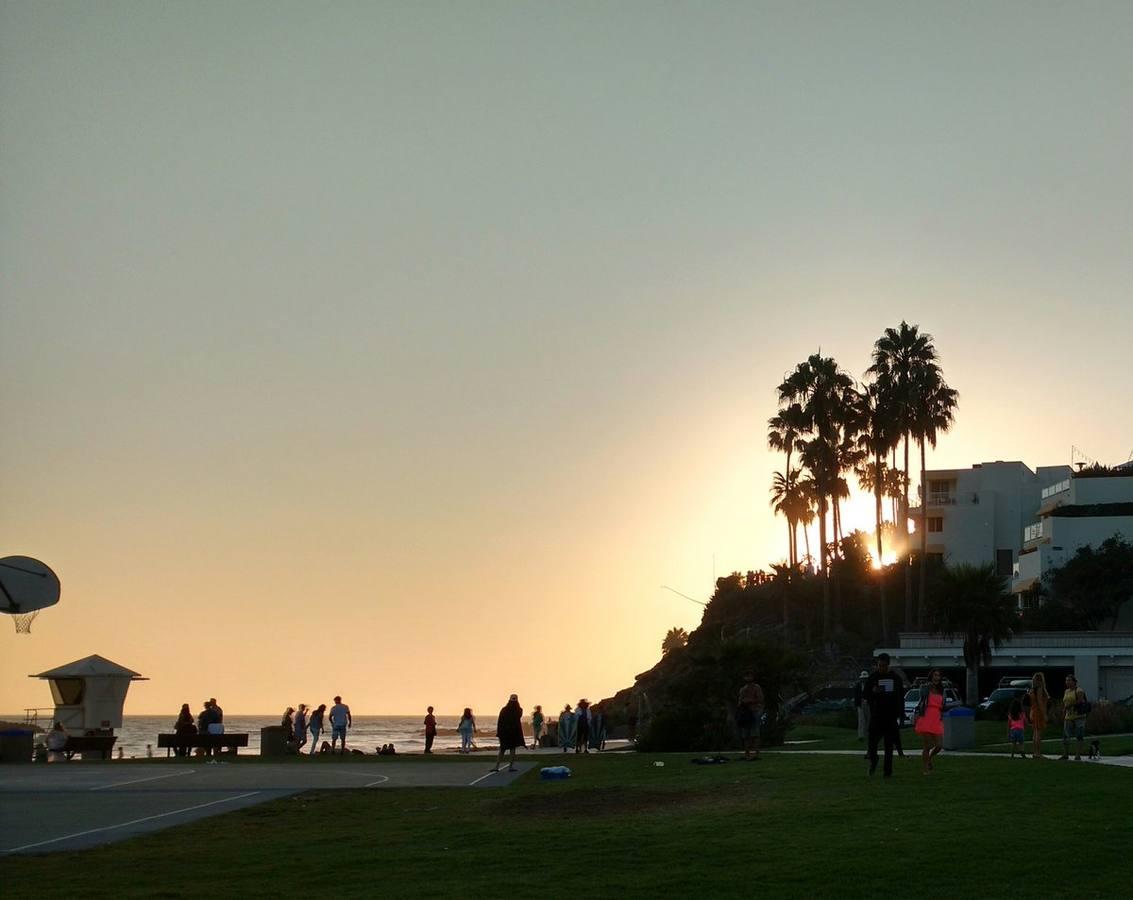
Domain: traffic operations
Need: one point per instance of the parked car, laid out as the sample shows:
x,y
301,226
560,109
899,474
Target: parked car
x,y
913,697
996,703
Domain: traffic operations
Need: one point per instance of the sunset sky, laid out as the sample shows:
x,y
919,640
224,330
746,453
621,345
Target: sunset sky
x,y
403,351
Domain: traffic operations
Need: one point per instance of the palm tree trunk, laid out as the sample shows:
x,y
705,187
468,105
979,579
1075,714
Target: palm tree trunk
x,y
924,541
822,557
880,556
972,687
806,540
790,542
893,497
836,561
905,533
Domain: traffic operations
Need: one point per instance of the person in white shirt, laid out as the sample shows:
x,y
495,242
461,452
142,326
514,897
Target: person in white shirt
x,y
340,720
56,741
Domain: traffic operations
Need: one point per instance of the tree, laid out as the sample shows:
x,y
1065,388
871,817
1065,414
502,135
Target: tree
x,y
818,387
901,357
974,603
784,430
785,501
1095,583
675,639
935,413
875,427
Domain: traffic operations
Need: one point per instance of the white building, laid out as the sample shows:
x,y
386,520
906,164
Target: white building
x,y
1081,510
977,515
1102,661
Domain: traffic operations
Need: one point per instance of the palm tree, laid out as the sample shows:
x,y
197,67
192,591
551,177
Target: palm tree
x,y
805,512
784,501
900,358
818,386
974,602
935,414
675,638
874,441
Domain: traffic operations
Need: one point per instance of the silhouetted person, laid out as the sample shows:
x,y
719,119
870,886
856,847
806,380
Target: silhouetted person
x,y
886,707
509,731
430,730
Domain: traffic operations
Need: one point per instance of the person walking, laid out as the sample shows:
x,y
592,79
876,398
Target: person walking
x,y
886,706
536,726
430,730
597,729
749,712
316,727
300,728
861,704
509,732
567,721
1075,708
340,720
929,719
466,729
1038,703
582,727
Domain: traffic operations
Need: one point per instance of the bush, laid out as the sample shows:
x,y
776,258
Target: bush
x,y
1104,718
838,718
695,728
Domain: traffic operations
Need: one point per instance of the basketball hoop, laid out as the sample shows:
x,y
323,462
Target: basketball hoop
x,y
23,621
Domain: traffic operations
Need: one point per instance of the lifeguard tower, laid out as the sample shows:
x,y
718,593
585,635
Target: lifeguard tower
x,y
89,695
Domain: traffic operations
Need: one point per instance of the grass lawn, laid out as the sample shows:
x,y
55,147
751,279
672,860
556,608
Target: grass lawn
x,y
991,737
786,826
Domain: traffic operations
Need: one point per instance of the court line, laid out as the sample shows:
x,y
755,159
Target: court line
x,y
382,779
103,787
175,812
482,777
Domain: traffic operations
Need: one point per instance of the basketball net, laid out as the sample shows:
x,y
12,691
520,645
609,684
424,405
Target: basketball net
x,y
24,620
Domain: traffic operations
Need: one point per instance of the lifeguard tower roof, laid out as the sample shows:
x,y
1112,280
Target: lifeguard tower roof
x,y
92,666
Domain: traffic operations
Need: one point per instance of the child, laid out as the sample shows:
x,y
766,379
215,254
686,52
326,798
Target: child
x,y
1016,722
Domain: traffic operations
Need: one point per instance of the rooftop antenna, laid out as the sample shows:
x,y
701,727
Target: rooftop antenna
x,y
1080,459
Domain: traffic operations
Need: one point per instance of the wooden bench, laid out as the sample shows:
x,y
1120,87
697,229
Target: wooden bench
x,y
91,743
227,742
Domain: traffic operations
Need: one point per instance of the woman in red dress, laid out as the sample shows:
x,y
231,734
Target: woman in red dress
x,y
930,718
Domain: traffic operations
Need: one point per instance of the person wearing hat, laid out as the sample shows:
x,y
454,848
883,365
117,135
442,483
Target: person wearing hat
x,y
862,705
509,731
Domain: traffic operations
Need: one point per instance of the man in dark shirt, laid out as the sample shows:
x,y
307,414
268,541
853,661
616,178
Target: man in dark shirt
x,y
886,706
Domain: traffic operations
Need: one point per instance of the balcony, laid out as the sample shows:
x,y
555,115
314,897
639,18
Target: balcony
x,y
1034,532
1053,496
1056,489
1027,572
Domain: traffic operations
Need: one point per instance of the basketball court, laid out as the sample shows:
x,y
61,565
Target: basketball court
x,y
71,806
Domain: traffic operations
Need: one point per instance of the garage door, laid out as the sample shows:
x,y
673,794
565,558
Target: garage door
x,y
1117,684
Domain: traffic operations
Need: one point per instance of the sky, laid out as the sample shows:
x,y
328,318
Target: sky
x,y
404,351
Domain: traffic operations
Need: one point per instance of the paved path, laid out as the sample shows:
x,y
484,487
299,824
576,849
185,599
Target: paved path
x,y
70,806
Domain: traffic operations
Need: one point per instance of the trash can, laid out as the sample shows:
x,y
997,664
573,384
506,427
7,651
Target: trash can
x,y
275,740
17,745
960,729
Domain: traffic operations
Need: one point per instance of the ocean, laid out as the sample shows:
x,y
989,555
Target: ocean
x,y
407,733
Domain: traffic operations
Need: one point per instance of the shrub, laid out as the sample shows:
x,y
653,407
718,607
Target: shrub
x,y
1104,718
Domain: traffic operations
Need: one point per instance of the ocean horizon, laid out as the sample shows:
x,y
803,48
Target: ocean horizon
x,y
406,733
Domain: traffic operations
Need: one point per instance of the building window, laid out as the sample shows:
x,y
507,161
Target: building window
x,y
1004,564
935,559
935,524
